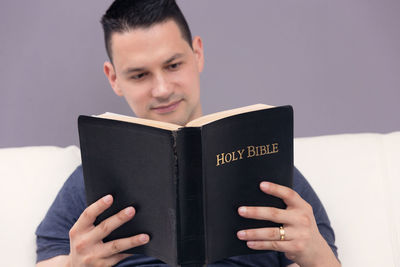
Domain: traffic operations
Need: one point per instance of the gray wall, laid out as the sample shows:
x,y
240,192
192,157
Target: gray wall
x,y
337,62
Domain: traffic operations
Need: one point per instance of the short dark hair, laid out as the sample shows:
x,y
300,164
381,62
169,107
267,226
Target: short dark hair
x,y
125,15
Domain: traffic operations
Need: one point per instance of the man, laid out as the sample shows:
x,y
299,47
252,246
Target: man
x,y
155,65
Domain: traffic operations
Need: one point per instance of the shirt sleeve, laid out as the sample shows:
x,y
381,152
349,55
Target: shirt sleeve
x,y
52,234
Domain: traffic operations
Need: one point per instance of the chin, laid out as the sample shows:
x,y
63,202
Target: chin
x,y
173,118
177,121
178,116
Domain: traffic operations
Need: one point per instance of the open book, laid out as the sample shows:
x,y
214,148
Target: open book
x,y
187,183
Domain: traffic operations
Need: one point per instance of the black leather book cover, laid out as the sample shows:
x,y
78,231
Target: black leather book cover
x,y
135,164
187,185
239,153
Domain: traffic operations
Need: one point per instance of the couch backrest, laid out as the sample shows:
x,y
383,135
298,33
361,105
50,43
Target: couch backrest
x,y
30,178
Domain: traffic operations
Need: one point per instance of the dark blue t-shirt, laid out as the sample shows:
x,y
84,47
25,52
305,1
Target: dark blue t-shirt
x,y
53,232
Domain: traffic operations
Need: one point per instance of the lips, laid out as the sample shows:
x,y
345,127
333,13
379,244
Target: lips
x,y
167,108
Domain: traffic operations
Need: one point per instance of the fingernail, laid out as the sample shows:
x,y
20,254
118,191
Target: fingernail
x,y
144,238
264,185
241,234
251,244
107,199
129,211
242,210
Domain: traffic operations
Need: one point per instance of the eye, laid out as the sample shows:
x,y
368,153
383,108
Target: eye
x,y
139,76
174,66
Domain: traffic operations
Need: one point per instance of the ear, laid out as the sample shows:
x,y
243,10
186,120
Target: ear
x,y
197,45
109,71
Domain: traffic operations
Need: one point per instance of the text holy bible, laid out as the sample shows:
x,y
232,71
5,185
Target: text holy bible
x,y
187,183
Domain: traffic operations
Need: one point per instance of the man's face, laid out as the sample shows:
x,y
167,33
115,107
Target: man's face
x,y
157,72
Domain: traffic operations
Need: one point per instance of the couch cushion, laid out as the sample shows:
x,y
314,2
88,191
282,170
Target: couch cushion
x,y
30,178
356,177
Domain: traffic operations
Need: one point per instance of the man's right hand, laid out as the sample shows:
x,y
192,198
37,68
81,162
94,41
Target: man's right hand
x,y
86,245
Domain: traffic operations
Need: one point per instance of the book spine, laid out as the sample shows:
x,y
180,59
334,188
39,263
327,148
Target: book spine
x,y
190,223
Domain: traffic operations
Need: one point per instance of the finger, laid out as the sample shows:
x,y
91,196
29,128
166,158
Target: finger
x,y
116,246
267,214
113,260
90,214
288,195
104,228
263,234
281,246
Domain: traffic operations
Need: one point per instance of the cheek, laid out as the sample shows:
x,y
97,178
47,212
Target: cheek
x,y
189,80
136,98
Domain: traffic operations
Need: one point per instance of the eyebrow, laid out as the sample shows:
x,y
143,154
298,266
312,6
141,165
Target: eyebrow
x,y
174,57
141,69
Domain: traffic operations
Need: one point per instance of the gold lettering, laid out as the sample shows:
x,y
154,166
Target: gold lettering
x,y
234,156
220,159
275,148
227,160
263,150
250,151
240,153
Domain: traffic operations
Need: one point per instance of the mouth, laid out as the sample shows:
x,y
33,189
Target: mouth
x,y
167,108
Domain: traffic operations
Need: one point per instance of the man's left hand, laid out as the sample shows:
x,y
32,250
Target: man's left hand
x,y
299,238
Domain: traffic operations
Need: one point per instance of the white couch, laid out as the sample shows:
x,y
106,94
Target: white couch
x,y
357,177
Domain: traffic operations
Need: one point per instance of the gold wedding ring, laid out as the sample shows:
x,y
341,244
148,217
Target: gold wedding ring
x,y
282,233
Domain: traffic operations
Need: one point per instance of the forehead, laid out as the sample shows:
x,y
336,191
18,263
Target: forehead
x,y
147,44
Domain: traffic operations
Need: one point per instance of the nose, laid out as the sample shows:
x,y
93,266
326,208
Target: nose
x,y
161,88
